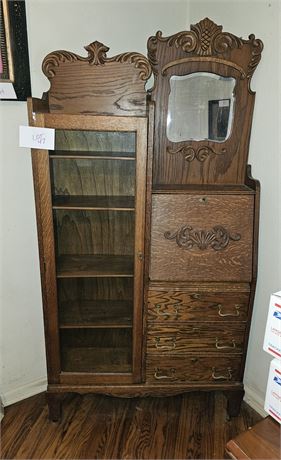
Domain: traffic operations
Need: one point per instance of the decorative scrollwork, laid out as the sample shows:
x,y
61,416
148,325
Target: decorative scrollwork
x,y
96,56
217,238
53,60
256,55
190,153
139,61
96,53
204,39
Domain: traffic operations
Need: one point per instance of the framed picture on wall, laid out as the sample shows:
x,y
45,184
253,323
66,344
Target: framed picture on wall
x,y
14,58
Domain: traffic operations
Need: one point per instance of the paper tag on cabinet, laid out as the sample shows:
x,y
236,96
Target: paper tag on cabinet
x,y
7,91
37,138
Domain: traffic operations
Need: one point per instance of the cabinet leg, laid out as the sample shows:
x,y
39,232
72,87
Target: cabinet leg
x,y
234,401
54,402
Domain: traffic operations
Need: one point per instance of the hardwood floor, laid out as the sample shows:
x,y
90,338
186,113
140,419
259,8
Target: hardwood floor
x,y
189,426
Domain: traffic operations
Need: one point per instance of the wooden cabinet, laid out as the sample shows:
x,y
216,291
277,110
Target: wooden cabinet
x,y
204,213
91,198
148,217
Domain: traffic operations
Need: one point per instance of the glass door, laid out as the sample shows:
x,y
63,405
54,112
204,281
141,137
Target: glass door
x,y
94,187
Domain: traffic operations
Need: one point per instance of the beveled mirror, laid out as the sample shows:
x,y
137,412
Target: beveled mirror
x,y
203,105
200,106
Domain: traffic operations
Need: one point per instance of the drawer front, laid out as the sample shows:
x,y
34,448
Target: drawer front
x,y
196,337
201,238
171,305
188,369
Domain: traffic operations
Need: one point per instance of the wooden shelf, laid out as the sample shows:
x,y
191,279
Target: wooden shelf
x,y
96,360
99,155
100,203
96,314
82,266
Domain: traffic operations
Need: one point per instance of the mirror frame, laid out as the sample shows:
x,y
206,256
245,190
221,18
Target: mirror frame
x,y
205,48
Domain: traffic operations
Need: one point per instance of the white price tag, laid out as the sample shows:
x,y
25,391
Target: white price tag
x,y
7,91
224,103
37,138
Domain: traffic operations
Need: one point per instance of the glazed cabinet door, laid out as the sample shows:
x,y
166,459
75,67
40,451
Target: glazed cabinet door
x,y
90,194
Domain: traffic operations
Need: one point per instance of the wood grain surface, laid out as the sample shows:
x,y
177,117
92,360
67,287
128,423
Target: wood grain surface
x,y
190,426
187,304
202,213
192,368
205,48
196,337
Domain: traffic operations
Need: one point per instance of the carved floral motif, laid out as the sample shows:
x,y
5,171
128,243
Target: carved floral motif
x,y
96,56
190,153
217,238
206,39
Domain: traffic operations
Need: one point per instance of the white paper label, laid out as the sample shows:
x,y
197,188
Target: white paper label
x,y
224,103
37,138
7,91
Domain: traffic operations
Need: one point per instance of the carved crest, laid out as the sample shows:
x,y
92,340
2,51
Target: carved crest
x,y
96,56
205,39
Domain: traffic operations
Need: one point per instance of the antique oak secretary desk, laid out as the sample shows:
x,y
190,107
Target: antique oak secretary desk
x,y
148,217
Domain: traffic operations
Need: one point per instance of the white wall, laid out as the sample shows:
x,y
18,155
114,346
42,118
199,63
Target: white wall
x,y
263,18
52,24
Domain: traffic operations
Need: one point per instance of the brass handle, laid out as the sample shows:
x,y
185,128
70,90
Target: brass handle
x,y
222,377
159,313
225,347
237,313
140,255
159,374
165,347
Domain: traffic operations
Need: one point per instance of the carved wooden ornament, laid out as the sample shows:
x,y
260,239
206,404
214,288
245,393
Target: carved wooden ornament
x,y
97,84
204,48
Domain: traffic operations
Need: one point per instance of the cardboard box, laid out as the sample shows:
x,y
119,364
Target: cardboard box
x,y
272,338
272,403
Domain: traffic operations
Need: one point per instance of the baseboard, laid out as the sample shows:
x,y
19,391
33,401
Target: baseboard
x,y
22,392
255,400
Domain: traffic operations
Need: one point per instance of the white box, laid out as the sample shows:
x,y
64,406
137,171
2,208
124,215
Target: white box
x,y
272,338
272,403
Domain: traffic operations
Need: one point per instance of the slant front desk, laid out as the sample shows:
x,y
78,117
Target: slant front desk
x,y
148,217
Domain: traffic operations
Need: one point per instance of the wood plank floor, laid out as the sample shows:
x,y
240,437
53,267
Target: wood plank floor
x,y
189,426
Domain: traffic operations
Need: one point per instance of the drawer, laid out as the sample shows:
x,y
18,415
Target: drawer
x,y
196,337
201,238
174,305
188,369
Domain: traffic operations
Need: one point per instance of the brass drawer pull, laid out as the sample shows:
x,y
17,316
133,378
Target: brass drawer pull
x,y
165,347
160,313
225,347
222,377
159,374
237,313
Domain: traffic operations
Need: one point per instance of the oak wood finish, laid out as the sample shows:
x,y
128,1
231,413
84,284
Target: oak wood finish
x,y
187,304
128,311
209,238
85,209
196,337
97,84
205,48
191,369
192,425
262,441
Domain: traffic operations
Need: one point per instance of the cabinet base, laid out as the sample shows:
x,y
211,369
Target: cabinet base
x,y
56,392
